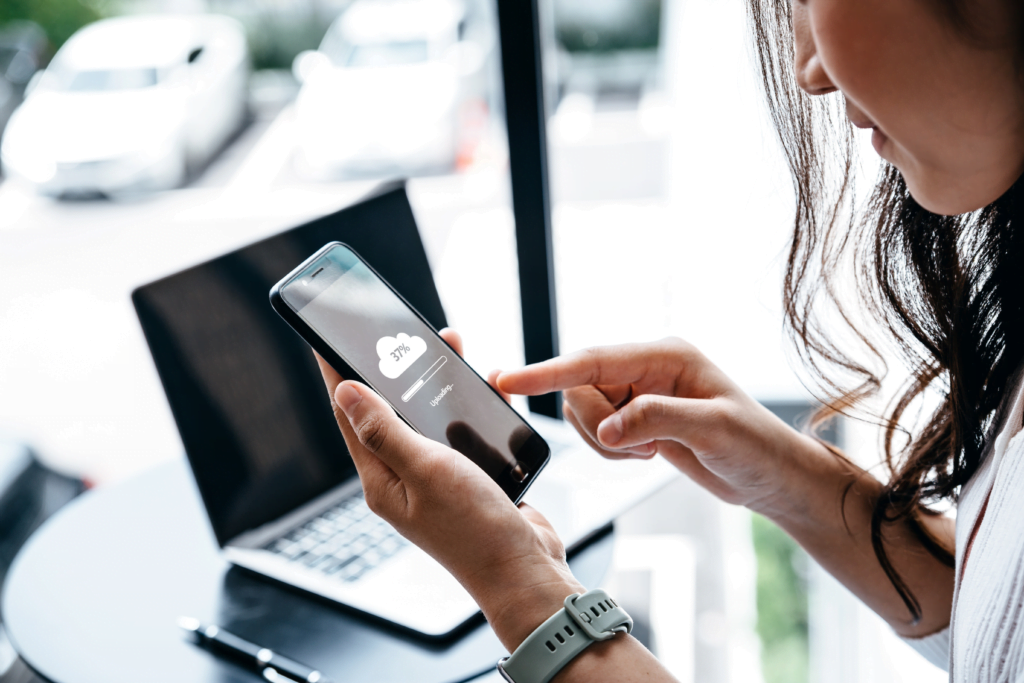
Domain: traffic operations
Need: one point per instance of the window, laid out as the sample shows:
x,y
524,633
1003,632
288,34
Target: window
x,y
388,54
108,80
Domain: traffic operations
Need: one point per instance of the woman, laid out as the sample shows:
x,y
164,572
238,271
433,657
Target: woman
x,y
940,83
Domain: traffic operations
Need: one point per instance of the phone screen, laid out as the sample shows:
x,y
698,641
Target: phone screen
x,y
397,353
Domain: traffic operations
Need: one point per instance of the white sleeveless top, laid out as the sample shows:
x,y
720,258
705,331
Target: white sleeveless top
x,y
985,639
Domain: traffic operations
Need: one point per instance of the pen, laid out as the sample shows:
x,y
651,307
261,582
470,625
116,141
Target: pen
x,y
274,667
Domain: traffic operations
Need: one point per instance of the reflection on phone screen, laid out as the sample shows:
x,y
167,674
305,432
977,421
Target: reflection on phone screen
x,y
404,360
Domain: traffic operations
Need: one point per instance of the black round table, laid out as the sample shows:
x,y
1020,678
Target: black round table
x,y
94,597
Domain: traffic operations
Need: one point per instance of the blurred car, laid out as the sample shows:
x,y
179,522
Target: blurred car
x,y
381,95
130,104
23,49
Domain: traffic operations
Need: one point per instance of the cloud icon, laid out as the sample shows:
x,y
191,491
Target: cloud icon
x,y
398,353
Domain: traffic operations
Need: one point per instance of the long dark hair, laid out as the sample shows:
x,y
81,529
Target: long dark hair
x,y
948,290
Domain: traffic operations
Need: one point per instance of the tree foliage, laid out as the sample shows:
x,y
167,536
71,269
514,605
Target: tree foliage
x,y
782,620
59,18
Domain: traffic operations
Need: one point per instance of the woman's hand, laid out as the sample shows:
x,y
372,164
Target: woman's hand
x,y
666,397
635,400
508,558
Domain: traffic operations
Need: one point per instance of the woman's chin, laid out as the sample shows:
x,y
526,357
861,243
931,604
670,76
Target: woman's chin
x,y
939,204
952,196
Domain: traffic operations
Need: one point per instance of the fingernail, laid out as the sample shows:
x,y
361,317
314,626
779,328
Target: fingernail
x,y
347,397
610,431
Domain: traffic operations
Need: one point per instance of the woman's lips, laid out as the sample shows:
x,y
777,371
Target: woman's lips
x,y
859,118
878,138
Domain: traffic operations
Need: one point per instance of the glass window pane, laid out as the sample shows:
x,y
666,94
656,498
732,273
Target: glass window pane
x,y
115,79
387,54
225,157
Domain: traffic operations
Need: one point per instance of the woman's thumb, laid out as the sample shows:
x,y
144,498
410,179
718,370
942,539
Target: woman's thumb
x,y
376,427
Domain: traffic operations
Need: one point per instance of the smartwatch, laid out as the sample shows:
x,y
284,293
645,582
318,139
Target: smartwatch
x,y
583,620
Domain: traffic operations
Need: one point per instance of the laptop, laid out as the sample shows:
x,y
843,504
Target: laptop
x,y
275,477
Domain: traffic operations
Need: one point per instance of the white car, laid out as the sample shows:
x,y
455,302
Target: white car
x,y
130,104
381,95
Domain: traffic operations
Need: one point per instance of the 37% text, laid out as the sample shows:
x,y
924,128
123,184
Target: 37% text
x,y
400,351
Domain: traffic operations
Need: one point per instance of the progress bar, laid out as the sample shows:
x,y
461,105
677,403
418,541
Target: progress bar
x,y
418,384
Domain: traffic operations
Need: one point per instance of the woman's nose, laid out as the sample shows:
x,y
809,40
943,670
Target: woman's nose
x,y
810,74
811,77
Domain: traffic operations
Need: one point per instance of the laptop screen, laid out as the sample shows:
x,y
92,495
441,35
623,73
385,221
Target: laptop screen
x,y
244,388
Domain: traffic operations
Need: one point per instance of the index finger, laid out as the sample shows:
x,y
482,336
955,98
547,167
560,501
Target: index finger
x,y
600,365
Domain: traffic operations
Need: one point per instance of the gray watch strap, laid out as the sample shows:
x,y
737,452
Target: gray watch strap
x,y
583,620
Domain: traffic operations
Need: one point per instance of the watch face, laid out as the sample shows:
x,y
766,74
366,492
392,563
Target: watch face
x,y
501,669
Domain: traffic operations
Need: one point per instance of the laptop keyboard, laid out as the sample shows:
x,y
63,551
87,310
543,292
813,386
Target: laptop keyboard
x,y
347,540
344,541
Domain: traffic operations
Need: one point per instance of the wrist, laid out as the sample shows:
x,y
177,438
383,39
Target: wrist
x,y
523,596
814,483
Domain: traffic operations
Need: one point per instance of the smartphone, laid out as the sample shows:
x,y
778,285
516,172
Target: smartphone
x,y
364,328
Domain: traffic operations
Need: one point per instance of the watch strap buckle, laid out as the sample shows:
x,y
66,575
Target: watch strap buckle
x,y
603,609
582,621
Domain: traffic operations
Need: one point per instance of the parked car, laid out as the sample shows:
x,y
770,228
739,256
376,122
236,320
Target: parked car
x,y
23,51
130,104
381,95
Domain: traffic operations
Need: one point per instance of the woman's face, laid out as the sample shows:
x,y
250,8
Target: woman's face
x,y
947,107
